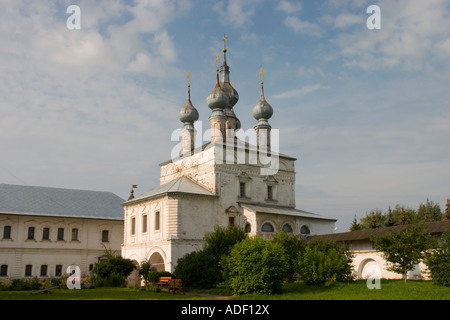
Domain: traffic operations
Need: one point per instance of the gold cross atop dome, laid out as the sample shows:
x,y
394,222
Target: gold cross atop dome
x,y
261,72
216,60
189,76
224,39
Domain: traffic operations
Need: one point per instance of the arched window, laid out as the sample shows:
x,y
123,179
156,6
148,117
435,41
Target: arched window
x,y
248,228
267,227
304,230
287,228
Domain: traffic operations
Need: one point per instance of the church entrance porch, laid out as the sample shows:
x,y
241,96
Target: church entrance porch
x,y
157,261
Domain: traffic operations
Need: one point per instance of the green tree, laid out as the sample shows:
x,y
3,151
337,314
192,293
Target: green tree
x,y
446,215
203,269
438,261
292,246
144,271
373,219
429,211
198,269
255,265
355,225
112,271
404,249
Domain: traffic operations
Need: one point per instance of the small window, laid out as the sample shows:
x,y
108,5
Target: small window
x,y
74,234
43,270
157,218
269,192
60,234
144,223
91,267
267,227
231,221
242,189
58,270
287,228
46,234
133,226
30,233
105,236
4,270
7,232
304,230
28,269
248,227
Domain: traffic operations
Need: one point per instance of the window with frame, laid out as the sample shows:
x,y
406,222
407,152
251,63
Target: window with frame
x,y
231,221
28,270
60,234
144,223
269,192
305,230
287,228
7,232
43,270
46,234
30,233
58,270
74,234
242,189
248,227
105,236
157,220
133,226
4,270
267,227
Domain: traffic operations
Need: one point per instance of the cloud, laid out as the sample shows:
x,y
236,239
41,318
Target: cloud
x,y
289,7
297,92
303,27
235,13
412,37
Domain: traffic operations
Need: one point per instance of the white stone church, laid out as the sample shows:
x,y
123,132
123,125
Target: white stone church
x,y
223,182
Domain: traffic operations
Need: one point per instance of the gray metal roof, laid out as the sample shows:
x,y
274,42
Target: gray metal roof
x,y
179,185
282,210
32,200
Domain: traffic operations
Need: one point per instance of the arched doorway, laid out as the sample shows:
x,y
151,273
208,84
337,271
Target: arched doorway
x,y
157,261
369,269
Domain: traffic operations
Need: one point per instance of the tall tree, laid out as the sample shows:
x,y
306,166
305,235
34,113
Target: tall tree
x,y
404,249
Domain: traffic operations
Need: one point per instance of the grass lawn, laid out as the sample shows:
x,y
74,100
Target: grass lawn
x,y
390,290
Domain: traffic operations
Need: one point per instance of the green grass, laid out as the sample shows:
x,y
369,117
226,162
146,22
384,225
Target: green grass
x,y
390,290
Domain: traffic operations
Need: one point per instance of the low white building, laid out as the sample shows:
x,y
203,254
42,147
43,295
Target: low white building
x,y
368,262
45,230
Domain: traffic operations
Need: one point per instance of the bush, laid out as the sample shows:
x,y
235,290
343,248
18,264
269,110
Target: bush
x,y
202,269
198,269
324,262
255,265
112,271
292,246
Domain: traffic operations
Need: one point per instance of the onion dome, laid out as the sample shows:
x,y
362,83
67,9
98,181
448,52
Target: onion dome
x,y
188,114
262,110
217,99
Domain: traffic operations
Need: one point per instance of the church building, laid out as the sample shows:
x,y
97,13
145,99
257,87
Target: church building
x,y
226,181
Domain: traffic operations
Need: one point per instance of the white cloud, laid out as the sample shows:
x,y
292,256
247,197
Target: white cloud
x,y
412,35
235,13
297,92
303,27
289,7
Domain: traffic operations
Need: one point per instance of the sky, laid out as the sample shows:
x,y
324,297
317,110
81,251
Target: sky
x,y
365,111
